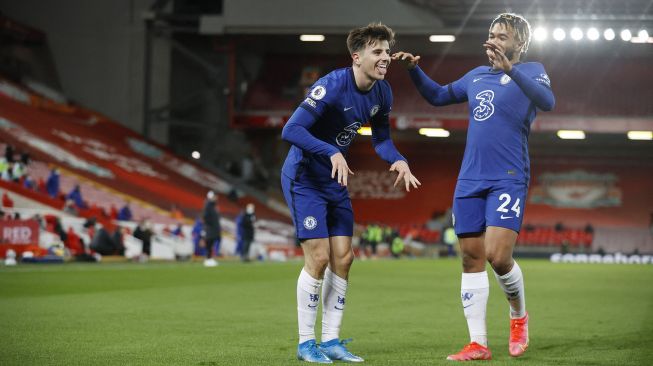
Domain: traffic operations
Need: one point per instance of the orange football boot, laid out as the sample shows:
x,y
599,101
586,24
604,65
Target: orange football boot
x,y
518,336
471,352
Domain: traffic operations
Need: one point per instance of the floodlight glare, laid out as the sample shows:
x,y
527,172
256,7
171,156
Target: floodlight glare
x,y
434,132
559,34
640,135
576,34
442,38
571,134
365,131
592,34
643,35
195,154
540,34
626,35
311,37
608,34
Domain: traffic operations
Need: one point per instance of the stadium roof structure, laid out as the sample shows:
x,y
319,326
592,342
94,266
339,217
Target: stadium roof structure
x,y
475,13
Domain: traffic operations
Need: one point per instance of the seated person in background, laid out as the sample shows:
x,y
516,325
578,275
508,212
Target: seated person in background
x,y
52,184
103,243
125,213
28,182
76,196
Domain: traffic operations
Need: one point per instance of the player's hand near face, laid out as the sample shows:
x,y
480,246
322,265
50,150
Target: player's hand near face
x,y
497,57
407,59
402,168
340,168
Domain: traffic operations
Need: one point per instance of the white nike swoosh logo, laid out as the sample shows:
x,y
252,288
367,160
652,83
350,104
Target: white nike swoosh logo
x,y
477,79
505,217
346,109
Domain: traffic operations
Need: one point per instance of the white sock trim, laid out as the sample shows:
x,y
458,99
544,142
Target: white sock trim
x,y
475,280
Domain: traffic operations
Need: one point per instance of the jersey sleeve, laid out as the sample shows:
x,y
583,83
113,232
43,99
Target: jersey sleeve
x,y
321,95
437,94
535,83
380,124
458,88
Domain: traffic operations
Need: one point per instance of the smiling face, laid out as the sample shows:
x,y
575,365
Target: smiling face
x,y
503,38
373,60
511,34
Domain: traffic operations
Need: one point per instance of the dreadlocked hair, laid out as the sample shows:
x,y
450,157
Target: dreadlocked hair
x,y
519,25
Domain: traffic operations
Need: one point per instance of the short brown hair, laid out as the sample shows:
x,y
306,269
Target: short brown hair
x,y
360,37
519,25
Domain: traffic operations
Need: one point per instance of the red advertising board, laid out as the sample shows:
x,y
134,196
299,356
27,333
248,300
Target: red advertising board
x,y
19,232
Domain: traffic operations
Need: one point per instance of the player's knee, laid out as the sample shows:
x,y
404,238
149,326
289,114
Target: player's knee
x,y
320,260
500,264
473,263
345,260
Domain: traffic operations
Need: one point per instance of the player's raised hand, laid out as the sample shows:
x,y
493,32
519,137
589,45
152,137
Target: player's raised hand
x,y
407,59
402,168
497,57
340,167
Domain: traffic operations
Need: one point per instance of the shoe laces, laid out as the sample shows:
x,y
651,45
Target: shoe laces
x,y
315,351
470,347
516,328
345,341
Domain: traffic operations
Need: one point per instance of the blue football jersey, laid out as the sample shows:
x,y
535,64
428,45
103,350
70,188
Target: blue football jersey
x,y
500,118
340,109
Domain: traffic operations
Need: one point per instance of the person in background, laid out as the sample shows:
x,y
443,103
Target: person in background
x,y
196,237
211,221
245,230
52,184
125,213
144,233
76,196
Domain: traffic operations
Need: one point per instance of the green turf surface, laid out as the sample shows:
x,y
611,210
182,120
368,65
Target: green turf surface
x,y
403,312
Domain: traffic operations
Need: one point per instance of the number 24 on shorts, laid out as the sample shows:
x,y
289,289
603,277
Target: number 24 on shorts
x,y
505,201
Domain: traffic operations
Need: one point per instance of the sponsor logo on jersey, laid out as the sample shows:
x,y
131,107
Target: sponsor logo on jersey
x,y
318,92
505,79
345,137
374,110
310,222
310,102
485,108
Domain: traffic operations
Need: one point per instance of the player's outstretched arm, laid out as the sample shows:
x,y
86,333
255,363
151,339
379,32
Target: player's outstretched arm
x,y
401,167
433,92
387,151
538,92
296,132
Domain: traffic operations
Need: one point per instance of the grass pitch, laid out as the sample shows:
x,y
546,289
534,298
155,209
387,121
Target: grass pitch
x,y
404,312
